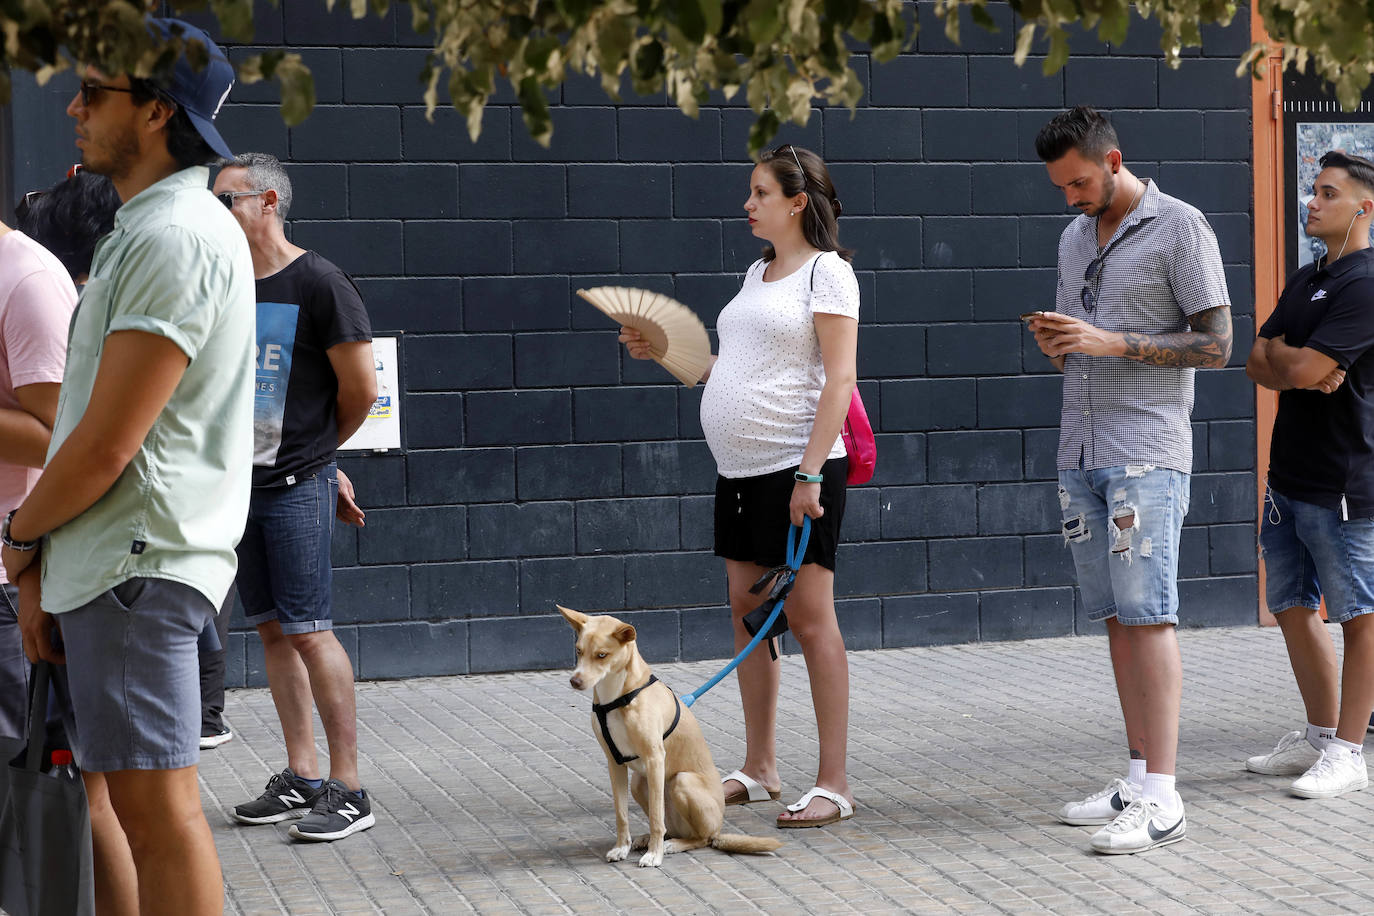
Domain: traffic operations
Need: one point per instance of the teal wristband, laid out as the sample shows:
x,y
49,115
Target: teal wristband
x,y
808,478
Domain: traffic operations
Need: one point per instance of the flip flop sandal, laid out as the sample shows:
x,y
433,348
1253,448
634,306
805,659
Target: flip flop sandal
x,y
754,791
845,812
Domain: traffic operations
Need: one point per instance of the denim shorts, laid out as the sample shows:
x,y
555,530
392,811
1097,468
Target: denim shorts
x,y
1309,552
134,674
1129,573
285,572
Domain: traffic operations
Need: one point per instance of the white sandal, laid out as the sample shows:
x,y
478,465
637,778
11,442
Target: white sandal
x,y
754,791
845,812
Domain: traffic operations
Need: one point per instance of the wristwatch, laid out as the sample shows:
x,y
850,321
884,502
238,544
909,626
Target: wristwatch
x,y
10,542
808,478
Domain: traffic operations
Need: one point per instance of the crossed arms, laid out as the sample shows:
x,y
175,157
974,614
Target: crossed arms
x,y
1273,364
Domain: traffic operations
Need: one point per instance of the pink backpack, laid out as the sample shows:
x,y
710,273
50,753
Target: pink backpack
x,y
857,432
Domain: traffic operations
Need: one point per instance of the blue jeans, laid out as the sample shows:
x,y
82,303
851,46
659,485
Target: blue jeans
x,y
1129,572
284,561
1309,551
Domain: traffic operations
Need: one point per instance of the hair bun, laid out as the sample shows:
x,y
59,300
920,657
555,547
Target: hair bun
x,y
835,204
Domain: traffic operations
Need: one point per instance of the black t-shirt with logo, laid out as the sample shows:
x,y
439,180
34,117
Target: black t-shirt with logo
x,y
303,310
1322,451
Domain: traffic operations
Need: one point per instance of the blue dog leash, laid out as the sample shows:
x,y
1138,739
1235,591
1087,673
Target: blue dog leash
x,y
795,552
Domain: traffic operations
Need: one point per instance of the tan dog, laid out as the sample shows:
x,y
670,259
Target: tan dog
x,y
657,738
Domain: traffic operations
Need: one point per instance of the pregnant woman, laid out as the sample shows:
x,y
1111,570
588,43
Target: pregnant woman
x,y
775,401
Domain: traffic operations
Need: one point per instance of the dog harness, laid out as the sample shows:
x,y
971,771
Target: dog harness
x,y
603,709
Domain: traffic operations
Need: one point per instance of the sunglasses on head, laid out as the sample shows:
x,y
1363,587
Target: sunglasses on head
x,y
32,197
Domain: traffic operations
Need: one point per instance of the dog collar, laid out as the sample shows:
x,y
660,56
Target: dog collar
x,y
603,709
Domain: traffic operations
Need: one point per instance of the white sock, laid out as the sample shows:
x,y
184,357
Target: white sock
x,y
1159,789
1319,736
1135,775
1338,744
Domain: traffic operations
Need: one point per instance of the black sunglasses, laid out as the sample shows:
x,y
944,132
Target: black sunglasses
x,y
91,90
1092,279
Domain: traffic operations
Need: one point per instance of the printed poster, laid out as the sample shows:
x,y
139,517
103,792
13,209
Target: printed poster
x,y
382,428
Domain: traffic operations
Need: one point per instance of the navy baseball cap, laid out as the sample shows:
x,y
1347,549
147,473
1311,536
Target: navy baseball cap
x,y
199,92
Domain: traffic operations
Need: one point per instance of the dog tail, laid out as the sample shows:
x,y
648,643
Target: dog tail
x,y
738,842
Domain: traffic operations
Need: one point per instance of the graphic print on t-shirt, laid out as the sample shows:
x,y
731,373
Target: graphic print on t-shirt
x,y
276,340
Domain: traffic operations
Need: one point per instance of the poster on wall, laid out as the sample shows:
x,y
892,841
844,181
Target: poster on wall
x,y
381,431
1315,124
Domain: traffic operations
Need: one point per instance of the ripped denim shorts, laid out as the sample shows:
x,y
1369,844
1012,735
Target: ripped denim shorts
x,y
1123,525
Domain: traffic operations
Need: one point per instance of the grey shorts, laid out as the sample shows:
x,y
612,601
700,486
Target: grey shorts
x,y
135,676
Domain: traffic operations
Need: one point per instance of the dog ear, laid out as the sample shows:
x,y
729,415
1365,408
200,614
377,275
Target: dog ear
x,y
575,618
625,634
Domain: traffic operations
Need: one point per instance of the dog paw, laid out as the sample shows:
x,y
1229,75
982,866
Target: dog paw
x,y
651,859
641,842
618,853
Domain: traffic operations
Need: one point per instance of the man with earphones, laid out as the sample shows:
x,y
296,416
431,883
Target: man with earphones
x,y
1317,534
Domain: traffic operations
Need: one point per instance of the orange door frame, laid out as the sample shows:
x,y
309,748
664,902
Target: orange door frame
x,y
1267,137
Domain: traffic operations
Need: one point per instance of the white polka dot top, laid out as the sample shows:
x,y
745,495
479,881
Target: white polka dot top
x,y
760,400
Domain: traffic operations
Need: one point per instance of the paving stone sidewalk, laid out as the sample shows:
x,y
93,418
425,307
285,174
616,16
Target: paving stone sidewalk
x,y
491,796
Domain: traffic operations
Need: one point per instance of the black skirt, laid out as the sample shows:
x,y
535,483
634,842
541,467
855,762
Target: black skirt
x,y
752,516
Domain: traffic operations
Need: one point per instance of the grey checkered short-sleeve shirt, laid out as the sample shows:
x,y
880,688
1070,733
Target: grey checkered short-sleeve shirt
x,y
1162,267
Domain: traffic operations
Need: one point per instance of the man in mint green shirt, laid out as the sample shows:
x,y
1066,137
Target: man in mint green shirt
x,y
146,486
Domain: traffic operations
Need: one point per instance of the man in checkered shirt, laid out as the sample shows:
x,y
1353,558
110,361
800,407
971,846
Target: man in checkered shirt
x,y
1141,303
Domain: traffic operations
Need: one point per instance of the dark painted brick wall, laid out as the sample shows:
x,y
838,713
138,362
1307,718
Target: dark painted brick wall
x,y
542,466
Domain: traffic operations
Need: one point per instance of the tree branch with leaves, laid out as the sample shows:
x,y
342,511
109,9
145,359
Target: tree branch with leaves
x,y
784,55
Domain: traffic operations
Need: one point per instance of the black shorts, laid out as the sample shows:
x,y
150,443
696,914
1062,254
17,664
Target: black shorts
x,y
752,516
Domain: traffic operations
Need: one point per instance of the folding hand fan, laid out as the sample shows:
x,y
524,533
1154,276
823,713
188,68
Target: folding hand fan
x,y
676,337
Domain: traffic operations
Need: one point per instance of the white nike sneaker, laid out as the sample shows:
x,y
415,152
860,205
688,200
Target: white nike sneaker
x,y
1293,755
1143,825
1100,807
1337,772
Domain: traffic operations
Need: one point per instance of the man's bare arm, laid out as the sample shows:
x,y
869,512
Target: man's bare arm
x,y
357,375
1259,370
1297,367
138,373
1206,346
26,430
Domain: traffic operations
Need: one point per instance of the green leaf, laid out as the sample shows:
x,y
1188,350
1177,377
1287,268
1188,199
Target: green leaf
x,y
713,14
297,89
687,14
235,18
1023,42
763,21
1059,52
535,109
649,62
841,12
765,128
539,50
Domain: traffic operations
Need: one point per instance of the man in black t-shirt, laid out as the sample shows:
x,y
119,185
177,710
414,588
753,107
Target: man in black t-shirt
x,y
315,384
1317,536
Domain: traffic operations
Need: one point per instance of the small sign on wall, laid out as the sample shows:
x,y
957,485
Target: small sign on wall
x,y
381,431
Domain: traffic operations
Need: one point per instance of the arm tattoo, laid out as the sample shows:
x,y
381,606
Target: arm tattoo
x,y
1207,345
